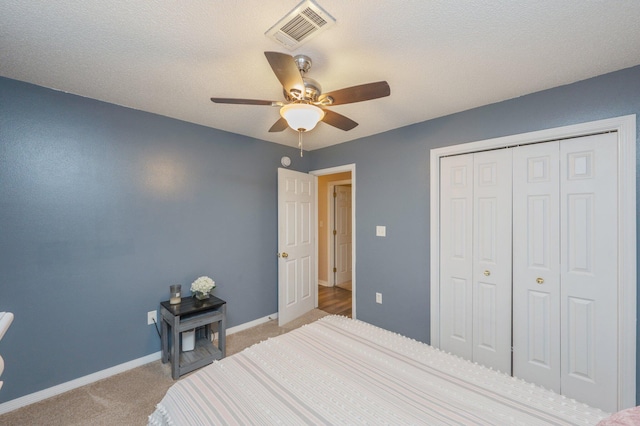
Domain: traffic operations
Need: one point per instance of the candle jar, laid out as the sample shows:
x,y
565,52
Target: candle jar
x,y
175,291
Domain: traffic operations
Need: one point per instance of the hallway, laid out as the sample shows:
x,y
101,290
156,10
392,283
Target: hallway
x,y
334,300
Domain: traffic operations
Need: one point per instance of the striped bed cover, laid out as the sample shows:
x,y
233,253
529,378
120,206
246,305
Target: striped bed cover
x,y
343,371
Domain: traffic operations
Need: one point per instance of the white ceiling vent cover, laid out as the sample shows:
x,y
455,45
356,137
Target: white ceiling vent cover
x,y
301,24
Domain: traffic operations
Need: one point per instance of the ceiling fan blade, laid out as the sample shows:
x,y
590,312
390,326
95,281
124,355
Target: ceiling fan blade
x,y
363,92
338,120
279,125
245,101
286,70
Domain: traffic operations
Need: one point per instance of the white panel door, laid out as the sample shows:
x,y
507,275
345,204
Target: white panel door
x,y
492,259
536,264
456,222
296,244
343,234
589,259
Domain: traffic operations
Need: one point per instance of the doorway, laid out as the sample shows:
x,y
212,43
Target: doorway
x,y
335,240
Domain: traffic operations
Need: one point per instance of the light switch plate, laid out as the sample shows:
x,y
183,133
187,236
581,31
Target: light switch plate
x,y
381,231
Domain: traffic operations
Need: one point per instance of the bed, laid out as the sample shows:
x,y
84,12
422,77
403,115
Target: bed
x,y
343,371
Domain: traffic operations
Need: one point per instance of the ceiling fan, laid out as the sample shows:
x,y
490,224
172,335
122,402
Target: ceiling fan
x,y
305,105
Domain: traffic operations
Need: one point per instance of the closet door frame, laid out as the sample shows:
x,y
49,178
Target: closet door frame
x,y
625,127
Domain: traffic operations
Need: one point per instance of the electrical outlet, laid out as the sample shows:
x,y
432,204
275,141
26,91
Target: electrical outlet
x,y
379,298
152,316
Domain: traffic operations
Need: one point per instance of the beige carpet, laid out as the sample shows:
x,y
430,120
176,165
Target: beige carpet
x,y
130,397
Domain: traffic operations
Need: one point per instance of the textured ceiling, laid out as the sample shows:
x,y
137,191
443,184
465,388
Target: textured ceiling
x,y
439,57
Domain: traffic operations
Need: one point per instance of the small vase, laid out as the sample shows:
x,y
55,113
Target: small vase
x,y
201,296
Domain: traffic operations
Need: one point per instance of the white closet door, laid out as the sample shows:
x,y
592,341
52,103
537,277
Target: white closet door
x,y
456,214
589,259
536,264
492,203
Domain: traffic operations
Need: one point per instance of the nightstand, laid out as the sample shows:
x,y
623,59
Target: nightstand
x,y
190,314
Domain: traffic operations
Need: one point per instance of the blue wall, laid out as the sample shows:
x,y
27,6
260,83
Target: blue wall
x,y
392,186
101,209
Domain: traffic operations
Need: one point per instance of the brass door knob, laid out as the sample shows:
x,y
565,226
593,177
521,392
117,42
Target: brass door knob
x,y
285,255
540,280
487,273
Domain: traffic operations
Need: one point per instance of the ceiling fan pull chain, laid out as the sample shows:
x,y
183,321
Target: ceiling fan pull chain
x,y
300,141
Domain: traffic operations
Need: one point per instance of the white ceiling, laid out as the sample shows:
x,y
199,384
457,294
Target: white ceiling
x,y
439,56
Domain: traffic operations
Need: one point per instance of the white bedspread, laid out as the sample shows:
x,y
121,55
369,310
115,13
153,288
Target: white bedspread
x,y
342,371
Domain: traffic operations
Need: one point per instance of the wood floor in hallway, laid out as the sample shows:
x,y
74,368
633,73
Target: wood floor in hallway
x,y
334,300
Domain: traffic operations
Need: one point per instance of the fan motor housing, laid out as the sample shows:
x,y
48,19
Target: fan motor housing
x,y
312,91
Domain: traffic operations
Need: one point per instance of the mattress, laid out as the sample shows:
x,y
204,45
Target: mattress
x,y
343,371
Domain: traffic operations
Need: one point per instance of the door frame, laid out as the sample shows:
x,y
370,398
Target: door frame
x,y
330,171
625,126
331,201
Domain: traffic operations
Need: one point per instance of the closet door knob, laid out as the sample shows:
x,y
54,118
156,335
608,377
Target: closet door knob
x,y
540,280
487,273
285,255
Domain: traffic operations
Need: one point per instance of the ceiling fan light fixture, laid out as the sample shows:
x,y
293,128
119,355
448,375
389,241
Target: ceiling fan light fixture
x,y
302,117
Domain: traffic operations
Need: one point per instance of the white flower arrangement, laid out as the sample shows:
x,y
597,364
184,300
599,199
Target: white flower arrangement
x,y
203,285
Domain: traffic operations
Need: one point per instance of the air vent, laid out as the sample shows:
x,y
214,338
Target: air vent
x,y
303,23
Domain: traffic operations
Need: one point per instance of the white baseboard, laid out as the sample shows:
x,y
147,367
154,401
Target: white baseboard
x,y
252,323
324,283
76,383
32,398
